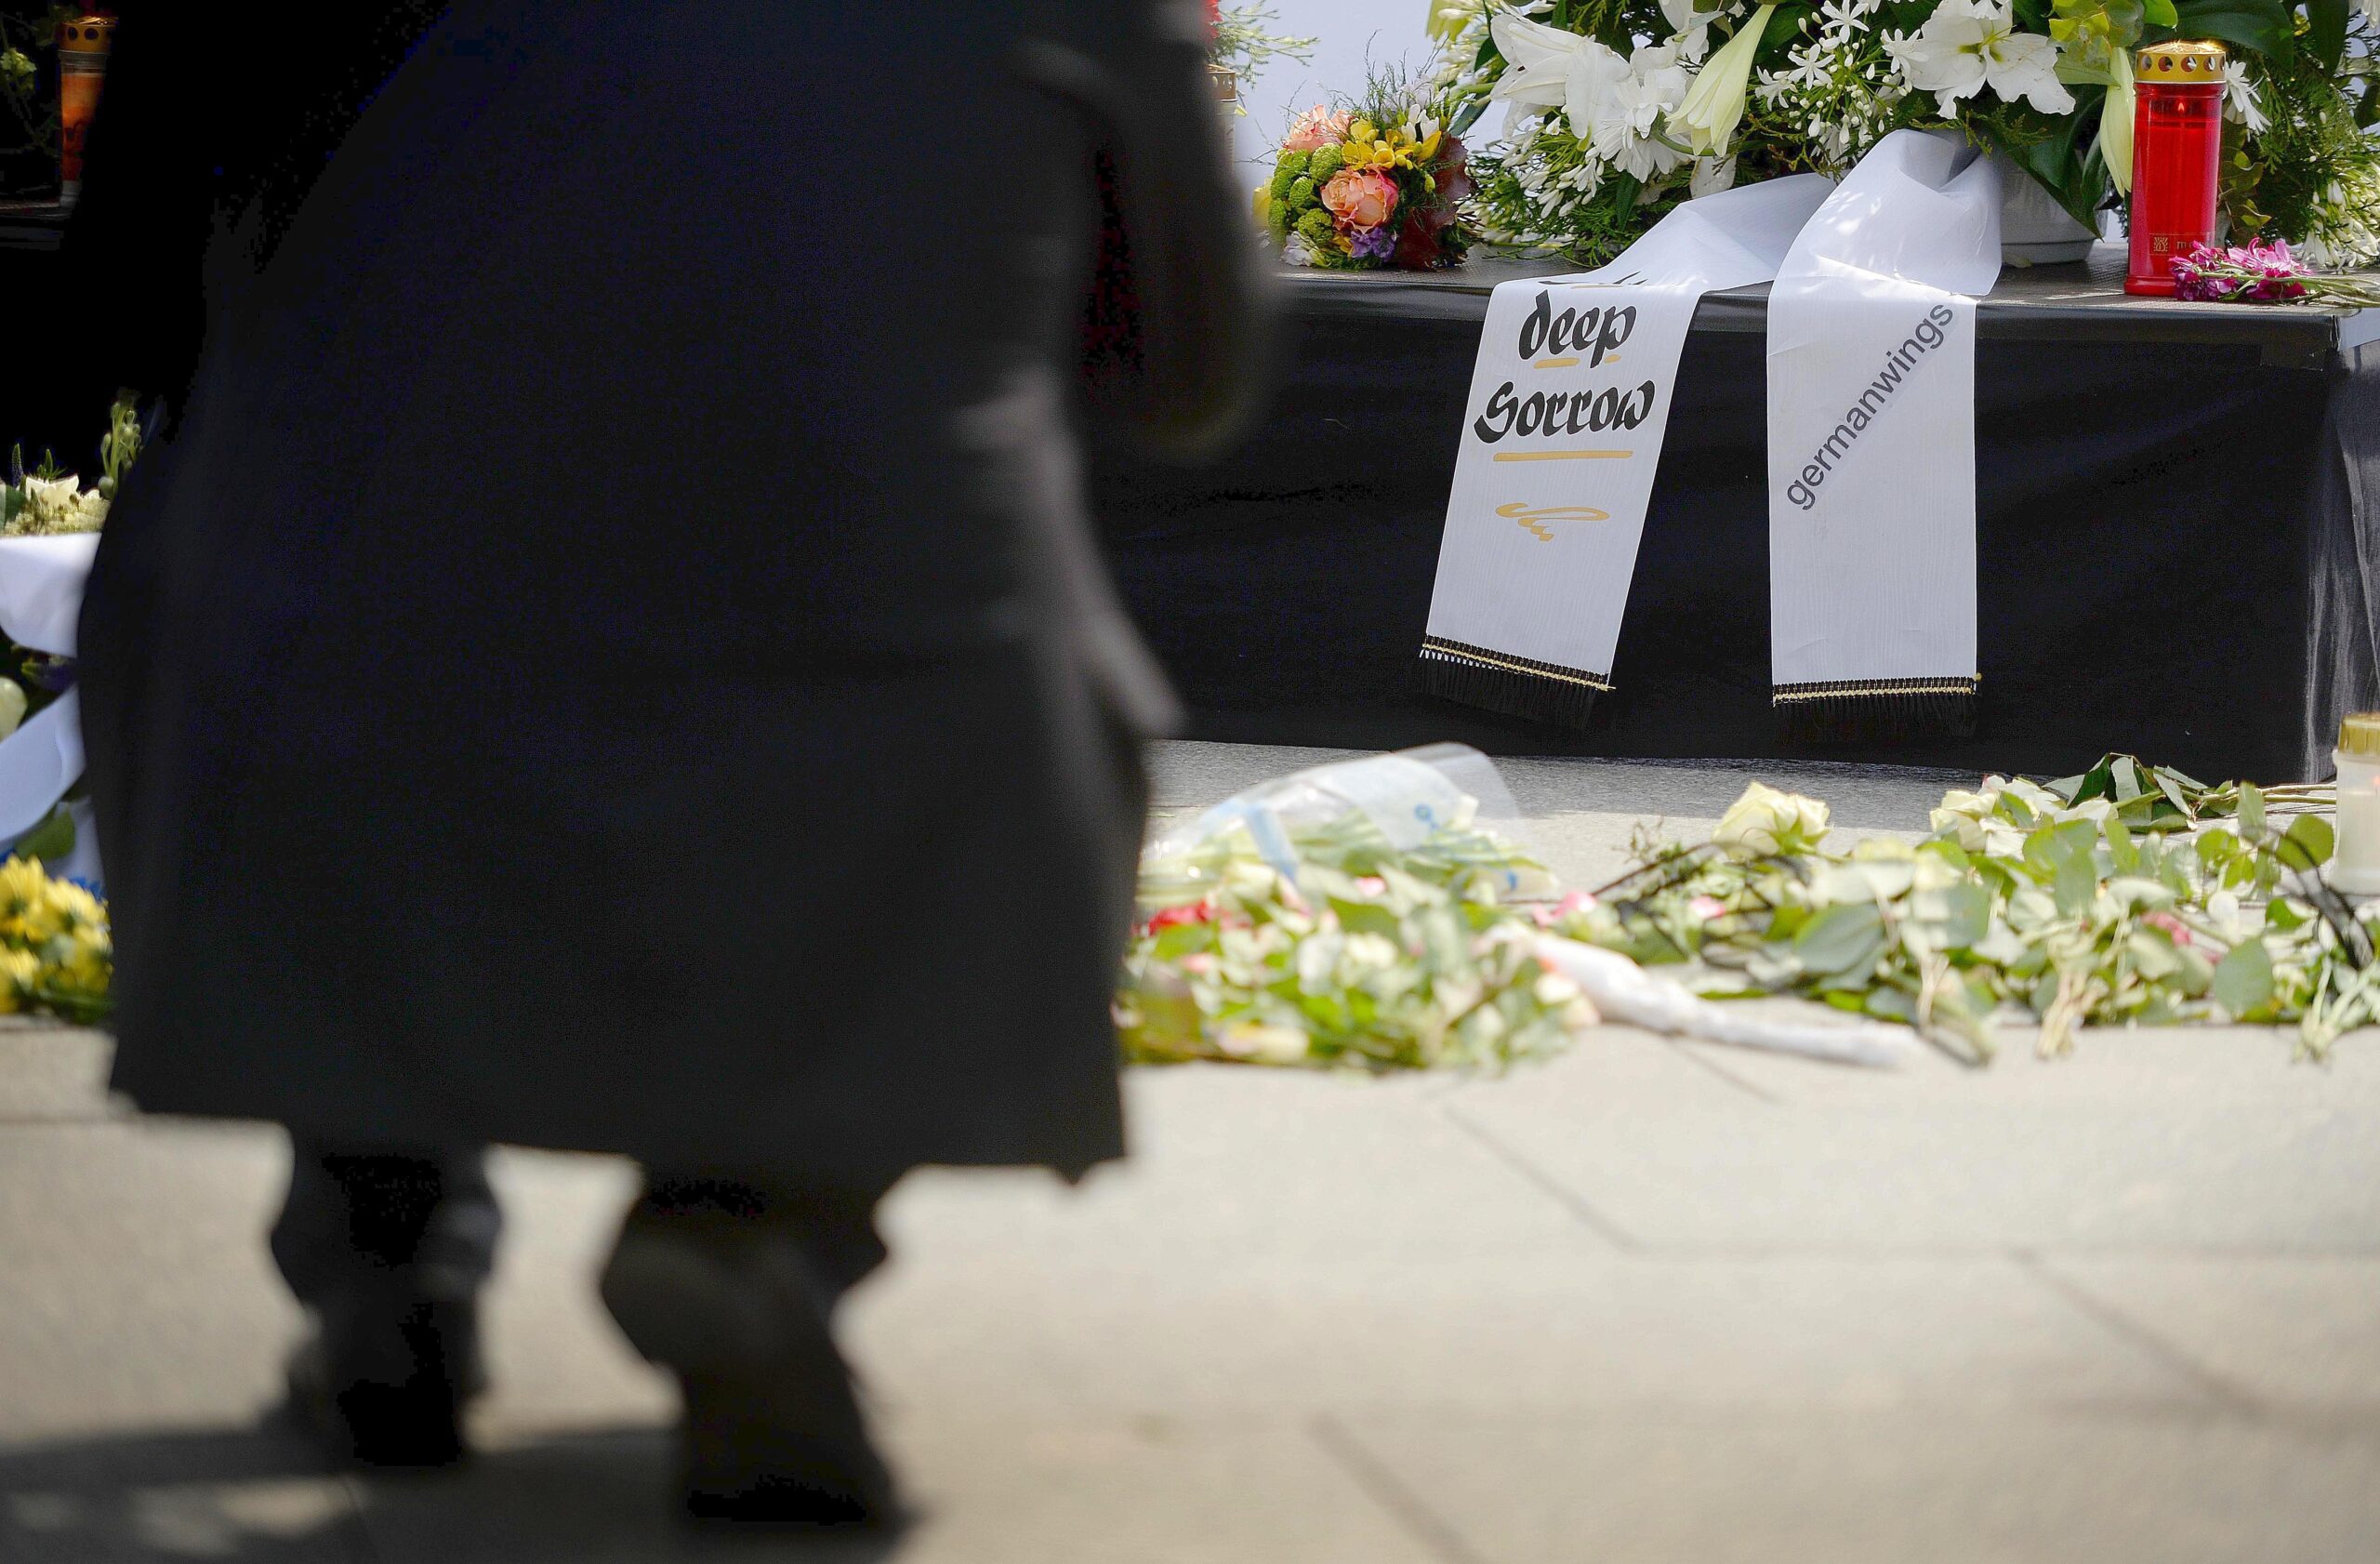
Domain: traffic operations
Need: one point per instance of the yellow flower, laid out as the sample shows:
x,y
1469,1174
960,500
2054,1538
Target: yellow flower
x,y
19,973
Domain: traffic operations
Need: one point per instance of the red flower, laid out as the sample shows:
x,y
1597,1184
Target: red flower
x,y
1189,912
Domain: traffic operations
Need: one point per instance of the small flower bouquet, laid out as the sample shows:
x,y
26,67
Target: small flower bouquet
x,y
1370,185
2264,273
56,952
47,501
1286,927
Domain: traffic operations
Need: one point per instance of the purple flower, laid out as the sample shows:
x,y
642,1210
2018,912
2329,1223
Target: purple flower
x,y
1374,244
2260,272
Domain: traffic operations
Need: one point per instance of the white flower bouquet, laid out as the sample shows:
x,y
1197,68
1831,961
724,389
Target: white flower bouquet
x,y
1622,108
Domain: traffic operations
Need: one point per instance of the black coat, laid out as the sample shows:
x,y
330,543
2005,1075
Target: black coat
x,y
610,656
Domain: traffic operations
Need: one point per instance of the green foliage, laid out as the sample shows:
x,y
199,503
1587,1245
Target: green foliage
x,y
2314,174
2128,893
28,71
1316,227
1245,42
1302,195
1372,957
1326,162
2262,27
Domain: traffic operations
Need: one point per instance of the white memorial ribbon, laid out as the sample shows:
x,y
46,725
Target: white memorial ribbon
x,y
1569,401
1871,327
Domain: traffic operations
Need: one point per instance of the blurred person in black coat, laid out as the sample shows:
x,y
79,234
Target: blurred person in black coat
x,y
608,652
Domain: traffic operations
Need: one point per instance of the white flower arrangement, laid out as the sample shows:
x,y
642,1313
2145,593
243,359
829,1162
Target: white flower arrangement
x,y
1617,110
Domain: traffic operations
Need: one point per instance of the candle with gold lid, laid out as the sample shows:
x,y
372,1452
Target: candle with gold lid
x,y
2176,154
2355,862
82,45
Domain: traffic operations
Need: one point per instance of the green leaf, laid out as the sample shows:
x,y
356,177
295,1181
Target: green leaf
x,y
2121,850
1366,917
2076,886
2251,811
1957,916
2161,13
2243,979
2308,843
2326,24
1783,23
2264,26
2282,914
1842,941
50,842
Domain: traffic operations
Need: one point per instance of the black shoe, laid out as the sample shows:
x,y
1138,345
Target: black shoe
x,y
384,1384
774,1433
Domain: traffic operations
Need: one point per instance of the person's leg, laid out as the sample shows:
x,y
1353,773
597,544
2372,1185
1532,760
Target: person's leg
x,y
388,1250
731,1282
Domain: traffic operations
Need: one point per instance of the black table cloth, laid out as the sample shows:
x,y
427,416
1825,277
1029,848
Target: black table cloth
x,y
2175,504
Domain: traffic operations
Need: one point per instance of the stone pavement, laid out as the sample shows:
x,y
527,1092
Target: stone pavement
x,y
1650,1302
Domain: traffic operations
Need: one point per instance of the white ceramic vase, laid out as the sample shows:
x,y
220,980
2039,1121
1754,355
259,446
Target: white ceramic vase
x,y
2034,230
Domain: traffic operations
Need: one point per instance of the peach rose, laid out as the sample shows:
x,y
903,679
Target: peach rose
x,y
1360,197
1317,127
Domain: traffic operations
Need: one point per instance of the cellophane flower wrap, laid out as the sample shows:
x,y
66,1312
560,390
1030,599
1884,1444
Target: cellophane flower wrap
x,y
1378,914
1618,110
1369,184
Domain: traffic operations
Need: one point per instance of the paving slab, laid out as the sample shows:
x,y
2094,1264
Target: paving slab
x,y
1009,1491
1552,1333
1887,1489
1230,1163
134,1284
1935,1174
2294,1335
49,1071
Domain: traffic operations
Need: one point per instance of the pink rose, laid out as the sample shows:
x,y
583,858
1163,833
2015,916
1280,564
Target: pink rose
x,y
1360,197
1317,127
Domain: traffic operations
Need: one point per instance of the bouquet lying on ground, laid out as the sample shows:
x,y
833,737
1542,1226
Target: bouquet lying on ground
x,y
1306,924
2129,894
1621,109
1363,914
1369,184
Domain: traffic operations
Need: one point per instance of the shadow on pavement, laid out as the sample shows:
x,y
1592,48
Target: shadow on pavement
x,y
263,1497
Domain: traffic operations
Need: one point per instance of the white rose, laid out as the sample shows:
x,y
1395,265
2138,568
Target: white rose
x,y
1766,823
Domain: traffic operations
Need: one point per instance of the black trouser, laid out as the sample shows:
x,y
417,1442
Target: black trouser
x,y
365,1224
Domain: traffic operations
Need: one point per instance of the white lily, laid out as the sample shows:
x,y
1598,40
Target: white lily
x,y
1536,61
2115,124
1549,68
1967,45
1715,104
1626,116
2239,96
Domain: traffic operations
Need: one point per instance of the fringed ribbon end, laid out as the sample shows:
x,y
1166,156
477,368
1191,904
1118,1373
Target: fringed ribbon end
x,y
1493,681
1849,712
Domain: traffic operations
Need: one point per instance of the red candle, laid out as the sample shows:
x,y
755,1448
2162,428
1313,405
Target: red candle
x,y
82,43
2177,152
